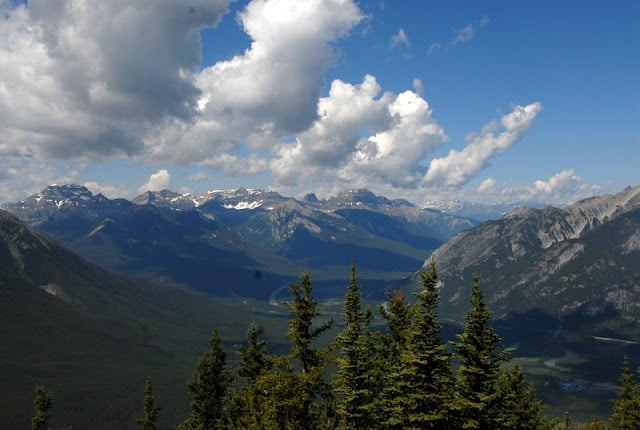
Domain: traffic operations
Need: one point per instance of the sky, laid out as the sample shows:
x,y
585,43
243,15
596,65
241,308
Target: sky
x,y
492,101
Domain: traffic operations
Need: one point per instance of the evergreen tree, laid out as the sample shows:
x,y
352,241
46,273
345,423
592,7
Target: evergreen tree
x,y
291,391
355,381
626,409
208,387
311,360
148,420
397,316
480,351
519,407
301,333
243,409
254,358
423,378
42,403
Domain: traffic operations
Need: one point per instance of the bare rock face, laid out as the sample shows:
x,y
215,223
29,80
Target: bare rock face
x,y
581,258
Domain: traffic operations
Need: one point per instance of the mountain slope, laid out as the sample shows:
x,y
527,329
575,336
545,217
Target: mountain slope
x,y
224,240
582,259
92,337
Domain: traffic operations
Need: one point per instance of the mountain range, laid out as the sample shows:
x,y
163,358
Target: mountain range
x,y
578,263
563,283
242,241
92,336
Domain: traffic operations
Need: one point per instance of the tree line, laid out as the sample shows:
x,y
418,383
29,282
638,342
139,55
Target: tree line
x,y
404,376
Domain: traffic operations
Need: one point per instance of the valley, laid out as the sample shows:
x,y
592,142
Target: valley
x,y
563,285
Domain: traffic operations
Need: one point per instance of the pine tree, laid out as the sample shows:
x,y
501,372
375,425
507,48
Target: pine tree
x,y
311,360
626,409
355,381
519,407
208,387
243,411
42,403
423,379
480,351
148,420
254,358
291,392
397,315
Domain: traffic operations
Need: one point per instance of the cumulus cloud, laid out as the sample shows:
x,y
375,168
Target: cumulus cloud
x,y
158,181
269,92
198,176
400,39
557,181
78,85
110,191
486,185
458,167
361,135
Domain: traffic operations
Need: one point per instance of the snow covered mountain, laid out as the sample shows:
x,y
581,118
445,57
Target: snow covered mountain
x,y
234,234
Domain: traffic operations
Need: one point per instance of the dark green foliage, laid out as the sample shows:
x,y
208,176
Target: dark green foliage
x,y
288,391
355,382
481,354
253,358
42,403
423,377
208,388
519,407
301,333
150,414
626,409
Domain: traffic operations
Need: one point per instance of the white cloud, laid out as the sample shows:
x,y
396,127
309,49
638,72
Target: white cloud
x,y
361,137
158,181
198,176
78,85
400,39
109,191
417,86
269,92
486,185
463,35
556,182
458,167
433,48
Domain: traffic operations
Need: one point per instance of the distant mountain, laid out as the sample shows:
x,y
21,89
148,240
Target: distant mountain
x,y
474,210
80,329
223,241
580,262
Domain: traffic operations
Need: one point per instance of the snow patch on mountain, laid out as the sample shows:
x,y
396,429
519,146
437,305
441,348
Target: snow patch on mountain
x,y
244,205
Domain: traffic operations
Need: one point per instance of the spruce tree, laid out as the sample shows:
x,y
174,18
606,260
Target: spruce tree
x,y
397,315
311,359
519,407
423,379
42,403
626,408
481,354
291,392
148,420
208,387
254,358
355,381
243,411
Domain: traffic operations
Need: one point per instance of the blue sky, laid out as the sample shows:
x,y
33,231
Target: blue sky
x,y
423,100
